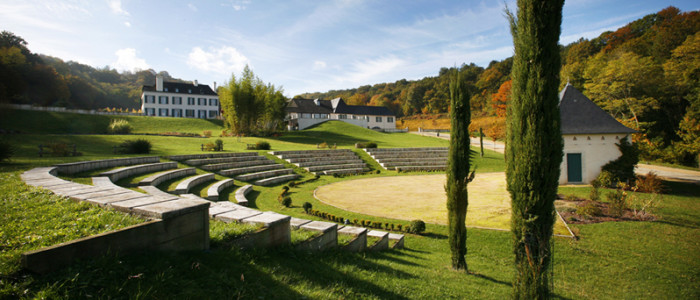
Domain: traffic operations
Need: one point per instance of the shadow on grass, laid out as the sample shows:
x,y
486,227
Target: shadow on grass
x,y
317,137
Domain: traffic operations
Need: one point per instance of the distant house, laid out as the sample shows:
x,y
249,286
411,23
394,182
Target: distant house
x,y
302,113
589,134
180,100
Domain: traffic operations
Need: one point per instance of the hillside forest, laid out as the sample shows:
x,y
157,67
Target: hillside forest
x,y
645,74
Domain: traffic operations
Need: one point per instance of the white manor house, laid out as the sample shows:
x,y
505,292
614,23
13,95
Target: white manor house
x,y
180,100
303,113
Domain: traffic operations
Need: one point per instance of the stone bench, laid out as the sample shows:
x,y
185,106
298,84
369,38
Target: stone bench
x,y
125,172
276,180
420,168
409,155
328,238
241,194
154,191
382,244
184,186
378,150
209,161
399,240
248,163
335,167
354,160
210,155
320,158
84,166
311,154
359,243
342,171
159,178
264,174
277,153
216,188
413,159
426,163
251,169
296,222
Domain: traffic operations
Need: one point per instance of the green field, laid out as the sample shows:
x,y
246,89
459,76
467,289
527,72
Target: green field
x,y
629,260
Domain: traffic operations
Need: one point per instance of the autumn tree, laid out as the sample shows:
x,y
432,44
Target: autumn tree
x,y
533,141
458,164
500,99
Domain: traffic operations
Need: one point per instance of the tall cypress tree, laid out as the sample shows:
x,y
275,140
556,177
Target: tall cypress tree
x,y
534,144
458,171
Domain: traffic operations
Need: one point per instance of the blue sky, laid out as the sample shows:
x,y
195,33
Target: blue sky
x,y
302,46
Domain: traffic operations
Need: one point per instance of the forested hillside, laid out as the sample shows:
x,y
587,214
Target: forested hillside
x,y
29,78
645,74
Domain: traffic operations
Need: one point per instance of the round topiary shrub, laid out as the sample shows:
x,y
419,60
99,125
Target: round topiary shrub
x,y
418,226
287,201
307,207
6,151
139,146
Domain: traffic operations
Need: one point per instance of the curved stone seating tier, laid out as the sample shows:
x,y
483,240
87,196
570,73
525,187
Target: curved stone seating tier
x,y
210,155
411,159
321,158
354,160
125,172
316,153
360,165
264,174
252,169
379,150
421,168
84,166
210,161
241,194
343,171
153,190
184,186
159,178
248,163
216,188
409,154
278,153
276,180
430,163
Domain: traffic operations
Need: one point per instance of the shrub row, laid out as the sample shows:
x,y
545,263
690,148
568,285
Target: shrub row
x,y
283,197
416,226
262,145
296,184
368,145
217,145
336,175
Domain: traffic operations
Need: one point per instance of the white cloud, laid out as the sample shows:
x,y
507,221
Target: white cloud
x,y
319,65
127,60
192,7
224,60
116,7
369,71
237,5
127,24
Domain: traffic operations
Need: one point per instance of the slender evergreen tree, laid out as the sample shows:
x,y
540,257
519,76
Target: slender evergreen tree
x,y
533,141
458,176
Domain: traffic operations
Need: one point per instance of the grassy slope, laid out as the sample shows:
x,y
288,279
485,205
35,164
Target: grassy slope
x,y
612,260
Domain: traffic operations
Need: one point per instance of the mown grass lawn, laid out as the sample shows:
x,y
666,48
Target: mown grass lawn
x,y
629,260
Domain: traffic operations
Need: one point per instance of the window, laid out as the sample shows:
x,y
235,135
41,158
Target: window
x,y
213,113
342,117
150,111
324,116
150,99
177,90
213,102
305,116
190,101
162,99
202,114
379,119
202,101
189,113
317,116
165,89
177,113
163,112
189,91
177,100
390,119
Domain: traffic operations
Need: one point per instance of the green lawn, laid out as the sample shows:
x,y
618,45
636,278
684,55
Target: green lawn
x,y
630,260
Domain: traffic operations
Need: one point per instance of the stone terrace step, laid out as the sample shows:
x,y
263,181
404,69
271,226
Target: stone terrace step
x,y
263,174
324,162
124,172
413,163
84,166
420,168
335,167
159,178
277,153
378,150
276,180
210,155
248,163
314,154
241,194
321,158
216,188
184,186
210,161
399,238
252,169
342,171
383,243
410,154
412,159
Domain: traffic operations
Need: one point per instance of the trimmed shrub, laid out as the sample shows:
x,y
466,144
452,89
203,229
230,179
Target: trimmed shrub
x,y
292,184
418,226
119,126
206,133
262,145
618,202
219,145
209,147
588,209
6,151
287,201
368,145
606,179
139,146
595,190
650,183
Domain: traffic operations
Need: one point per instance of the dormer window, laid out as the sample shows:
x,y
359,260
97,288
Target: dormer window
x,y
177,90
165,89
189,91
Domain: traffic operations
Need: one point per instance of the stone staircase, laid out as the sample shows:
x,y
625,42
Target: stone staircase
x,y
325,162
244,166
410,159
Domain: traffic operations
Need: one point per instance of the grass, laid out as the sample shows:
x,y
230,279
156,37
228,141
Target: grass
x,y
630,260
302,235
221,233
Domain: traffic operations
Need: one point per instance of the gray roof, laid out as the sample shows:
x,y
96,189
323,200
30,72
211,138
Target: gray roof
x,y
337,106
182,88
579,115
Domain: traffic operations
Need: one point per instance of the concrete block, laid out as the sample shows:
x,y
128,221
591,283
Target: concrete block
x,y
237,215
399,238
296,222
215,210
102,201
382,244
129,205
328,238
268,219
358,244
169,209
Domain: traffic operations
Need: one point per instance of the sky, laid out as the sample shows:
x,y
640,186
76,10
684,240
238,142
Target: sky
x,y
300,46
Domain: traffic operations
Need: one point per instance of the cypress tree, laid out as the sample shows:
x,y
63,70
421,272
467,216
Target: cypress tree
x,y
534,144
458,171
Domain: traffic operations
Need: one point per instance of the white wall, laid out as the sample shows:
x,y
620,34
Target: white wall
x,y
596,150
184,106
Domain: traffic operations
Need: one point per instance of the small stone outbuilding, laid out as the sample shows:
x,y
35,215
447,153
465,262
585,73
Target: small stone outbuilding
x,y
590,136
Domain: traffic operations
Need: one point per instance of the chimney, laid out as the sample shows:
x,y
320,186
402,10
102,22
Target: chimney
x,y
318,103
159,83
195,82
215,86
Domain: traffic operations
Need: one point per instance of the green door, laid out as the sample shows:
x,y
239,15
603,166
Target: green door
x,y
573,167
